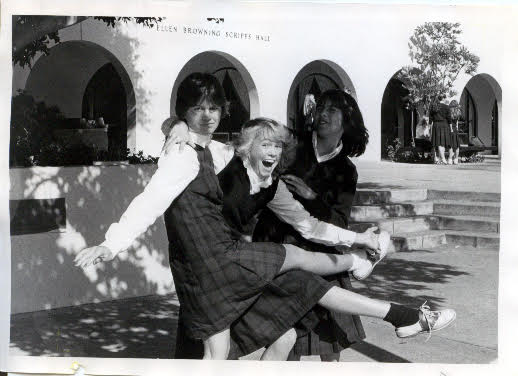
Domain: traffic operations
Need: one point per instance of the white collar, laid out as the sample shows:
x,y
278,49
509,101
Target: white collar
x,y
256,183
199,139
325,157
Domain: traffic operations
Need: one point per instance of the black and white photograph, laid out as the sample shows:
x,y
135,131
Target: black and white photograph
x,y
258,181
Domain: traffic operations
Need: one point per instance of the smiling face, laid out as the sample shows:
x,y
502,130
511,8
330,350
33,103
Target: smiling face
x,y
329,121
203,118
264,156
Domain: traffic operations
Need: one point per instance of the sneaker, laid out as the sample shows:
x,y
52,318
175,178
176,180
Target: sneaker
x,y
430,321
450,161
384,242
456,161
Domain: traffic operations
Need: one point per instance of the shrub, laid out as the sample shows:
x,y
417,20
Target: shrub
x,y
393,148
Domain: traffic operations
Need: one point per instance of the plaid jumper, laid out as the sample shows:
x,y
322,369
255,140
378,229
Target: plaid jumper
x,y
218,277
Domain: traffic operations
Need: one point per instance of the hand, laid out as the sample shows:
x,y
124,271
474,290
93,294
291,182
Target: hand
x,y
369,240
298,186
93,255
176,132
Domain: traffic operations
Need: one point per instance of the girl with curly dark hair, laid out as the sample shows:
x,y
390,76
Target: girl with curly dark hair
x,y
324,180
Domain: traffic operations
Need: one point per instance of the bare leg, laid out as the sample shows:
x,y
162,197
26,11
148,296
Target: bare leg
x,y
315,262
217,346
345,301
334,357
456,160
280,349
441,154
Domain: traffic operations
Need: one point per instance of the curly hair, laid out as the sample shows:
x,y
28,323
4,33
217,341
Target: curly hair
x,y
196,88
356,136
265,128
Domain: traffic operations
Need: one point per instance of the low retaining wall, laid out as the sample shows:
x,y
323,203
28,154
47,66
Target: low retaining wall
x,y
43,272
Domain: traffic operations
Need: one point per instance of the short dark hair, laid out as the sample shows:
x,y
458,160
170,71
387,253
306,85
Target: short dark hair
x,y
356,136
196,88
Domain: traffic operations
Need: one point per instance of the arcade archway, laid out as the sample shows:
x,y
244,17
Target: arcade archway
x,y
86,82
313,79
481,107
239,89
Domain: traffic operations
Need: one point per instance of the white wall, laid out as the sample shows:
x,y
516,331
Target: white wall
x,y
43,272
370,44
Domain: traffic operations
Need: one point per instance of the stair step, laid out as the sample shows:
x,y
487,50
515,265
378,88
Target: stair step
x,y
473,239
386,196
400,224
433,238
418,240
369,213
468,223
463,196
466,208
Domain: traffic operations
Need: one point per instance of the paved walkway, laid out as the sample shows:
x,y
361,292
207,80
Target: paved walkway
x,y
482,177
459,277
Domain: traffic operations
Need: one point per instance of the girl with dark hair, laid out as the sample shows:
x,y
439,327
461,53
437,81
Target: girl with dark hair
x,y
441,130
221,280
455,113
324,180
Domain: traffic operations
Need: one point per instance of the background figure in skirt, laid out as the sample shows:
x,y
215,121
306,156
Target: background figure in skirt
x,y
441,130
324,179
455,113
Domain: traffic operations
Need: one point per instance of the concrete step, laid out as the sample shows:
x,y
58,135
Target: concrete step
x,y
451,207
430,239
399,224
473,239
431,222
369,213
418,240
387,196
468,223
463,196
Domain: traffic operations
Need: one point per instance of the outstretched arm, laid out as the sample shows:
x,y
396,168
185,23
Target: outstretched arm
x,y
292,212
174,173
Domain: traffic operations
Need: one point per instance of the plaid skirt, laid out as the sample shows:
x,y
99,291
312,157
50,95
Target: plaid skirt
x,y
454,138
214,291
441,134
333,333
283,304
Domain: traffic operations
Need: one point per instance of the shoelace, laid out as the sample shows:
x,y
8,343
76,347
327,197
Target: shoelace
x,y
428,315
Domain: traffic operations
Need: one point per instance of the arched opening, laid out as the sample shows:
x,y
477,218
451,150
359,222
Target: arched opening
x,y
313,79
468,118
398,119
92,91
239,89
481,105
105,99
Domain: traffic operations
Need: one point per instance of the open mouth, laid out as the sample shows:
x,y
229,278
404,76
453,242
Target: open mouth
x,y
268,164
